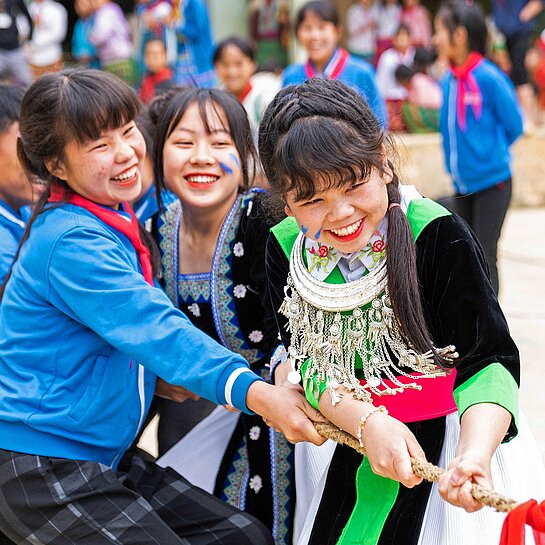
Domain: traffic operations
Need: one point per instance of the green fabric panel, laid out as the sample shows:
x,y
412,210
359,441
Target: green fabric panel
x,y
375,498
422,212
286,232
313,387
493,384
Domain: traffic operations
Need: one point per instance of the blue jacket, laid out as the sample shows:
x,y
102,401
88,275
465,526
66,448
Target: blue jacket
x,y
357,74
12,227
507,16
479,157
76,320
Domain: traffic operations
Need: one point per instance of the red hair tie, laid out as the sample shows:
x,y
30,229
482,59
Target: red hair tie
x,y
394,205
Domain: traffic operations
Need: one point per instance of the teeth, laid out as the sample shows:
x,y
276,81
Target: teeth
x,y
202,179
126,175
345,231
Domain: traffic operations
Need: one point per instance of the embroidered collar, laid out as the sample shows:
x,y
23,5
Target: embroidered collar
x,y
321,259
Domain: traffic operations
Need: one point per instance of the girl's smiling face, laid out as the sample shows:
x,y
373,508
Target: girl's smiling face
x,y
344,217
202,167
234,69
318,37
106,170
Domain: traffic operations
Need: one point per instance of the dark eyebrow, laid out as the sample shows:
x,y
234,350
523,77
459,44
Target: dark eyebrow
x,y
213,131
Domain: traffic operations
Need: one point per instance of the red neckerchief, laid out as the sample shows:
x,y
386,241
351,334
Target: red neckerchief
x,y
245,92
335,65
149,83
128,227
530,513
466,80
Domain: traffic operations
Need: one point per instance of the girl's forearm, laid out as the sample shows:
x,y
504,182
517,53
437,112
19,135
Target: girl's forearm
x,y
483,428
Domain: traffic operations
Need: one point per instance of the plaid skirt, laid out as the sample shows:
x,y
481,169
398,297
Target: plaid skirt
x,y
55,501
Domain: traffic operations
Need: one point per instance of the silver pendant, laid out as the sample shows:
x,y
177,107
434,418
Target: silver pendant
x,y
294,377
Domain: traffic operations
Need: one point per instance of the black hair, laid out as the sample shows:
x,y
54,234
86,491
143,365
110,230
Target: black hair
x,y
458,13
167,110
403,73
240,43
423,58
403,27
10,105
72,105
145,126
323,9
323,130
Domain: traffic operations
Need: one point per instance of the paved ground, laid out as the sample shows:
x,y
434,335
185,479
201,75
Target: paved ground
x,y
522,270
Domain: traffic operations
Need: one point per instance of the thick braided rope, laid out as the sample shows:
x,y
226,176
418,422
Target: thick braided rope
x,y
427,471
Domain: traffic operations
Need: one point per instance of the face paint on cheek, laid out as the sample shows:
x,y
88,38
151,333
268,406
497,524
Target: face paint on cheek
x,y
318,234
235,159
226,168
304,229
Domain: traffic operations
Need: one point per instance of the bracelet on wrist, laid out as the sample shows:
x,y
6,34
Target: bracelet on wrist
x,y
363,420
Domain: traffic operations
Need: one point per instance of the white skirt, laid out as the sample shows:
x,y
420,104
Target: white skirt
x,y
517,472
198,455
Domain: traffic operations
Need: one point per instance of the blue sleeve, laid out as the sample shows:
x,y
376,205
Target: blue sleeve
x,y
105,293
194,16
8,249
506,108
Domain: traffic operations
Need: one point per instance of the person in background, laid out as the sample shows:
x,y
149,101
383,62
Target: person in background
x,y
515,19
270,30
50,23
418,19
110,34
362,24
388,22
479,121
13,61
401,52
318,30
424,96
83,50
234,62
195,45
158,76
155,22
16,191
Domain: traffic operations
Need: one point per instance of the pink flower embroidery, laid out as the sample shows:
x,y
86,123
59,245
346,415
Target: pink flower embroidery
x,y
323,251
378,246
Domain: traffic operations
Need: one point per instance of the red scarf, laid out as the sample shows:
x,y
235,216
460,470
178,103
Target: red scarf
x,y
245,92
128,227
466,80
150,82
530,513
335,65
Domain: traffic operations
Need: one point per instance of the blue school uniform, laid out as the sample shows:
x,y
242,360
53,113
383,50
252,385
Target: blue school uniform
x,y
83,337
147,205
356,73
12,227
477,156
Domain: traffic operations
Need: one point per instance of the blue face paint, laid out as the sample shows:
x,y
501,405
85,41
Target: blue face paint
x,y
235,159
226,168
304,229
318,233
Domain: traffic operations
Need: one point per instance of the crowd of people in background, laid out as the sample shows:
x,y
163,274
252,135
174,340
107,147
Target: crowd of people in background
x,y
164,43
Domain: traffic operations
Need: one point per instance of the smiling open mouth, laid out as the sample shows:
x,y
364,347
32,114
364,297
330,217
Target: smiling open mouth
x,y
350,232
128,177
201,180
